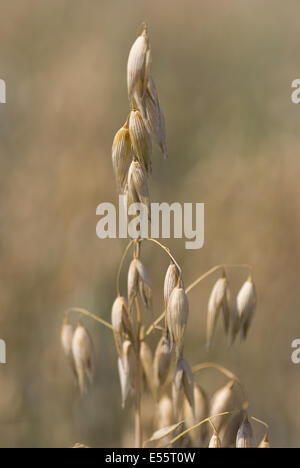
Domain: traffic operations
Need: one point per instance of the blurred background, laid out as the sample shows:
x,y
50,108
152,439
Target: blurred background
x,y
223,72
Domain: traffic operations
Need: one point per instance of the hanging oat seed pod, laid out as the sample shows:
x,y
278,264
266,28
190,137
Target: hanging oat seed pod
x,y
245,437
129,363
66,338
183,382
265,442
229,430
214,441
66,342
138,282
176,317
140,140
124,382
138,68
147,364
218,302
120,321
162,362
165,412
201,411
171,281
222,401
245,305
155,119
121,157
83,354
138,185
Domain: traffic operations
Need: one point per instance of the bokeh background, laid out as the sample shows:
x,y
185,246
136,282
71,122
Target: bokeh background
x,y
223,71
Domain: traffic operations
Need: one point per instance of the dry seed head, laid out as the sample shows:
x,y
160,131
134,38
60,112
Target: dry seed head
x,y
245,437
132,281
218,301
138,67
176,317
120,321
140,140
164,416
183,382
138,282
127,370
229,430
121,157
67,338
124,382
137,187
201,411
265,442
162,362
83,354
147,364
245,306
222,401
155,121
214,441
171,281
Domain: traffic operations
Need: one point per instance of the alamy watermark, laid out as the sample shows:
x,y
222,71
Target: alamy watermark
x,y
2,352
2,92
296,353
295,96
156,220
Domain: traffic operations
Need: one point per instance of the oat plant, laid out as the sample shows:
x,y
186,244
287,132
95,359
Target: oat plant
x,y
185,415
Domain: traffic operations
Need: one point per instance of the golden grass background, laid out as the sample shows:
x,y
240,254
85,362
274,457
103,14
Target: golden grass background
x,y
223,71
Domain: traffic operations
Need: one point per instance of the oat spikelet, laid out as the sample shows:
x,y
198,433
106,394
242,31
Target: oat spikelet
x,y
162,362
214,441
124,382
164,415
138,190
218,302
140,140
147,364
120,321
245,306
127,370
66,337
138,283
229,430
201,411
83,354
155,119
121,157
265,444
222,401
176,317
171,281
138,69
245,437
183,383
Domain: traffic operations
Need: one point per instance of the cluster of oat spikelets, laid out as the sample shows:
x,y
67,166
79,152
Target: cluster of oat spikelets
x,y
179,402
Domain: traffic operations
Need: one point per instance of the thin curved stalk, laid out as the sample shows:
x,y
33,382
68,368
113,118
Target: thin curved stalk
x,y
167,250
206,420
89,314
261,422
226,372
